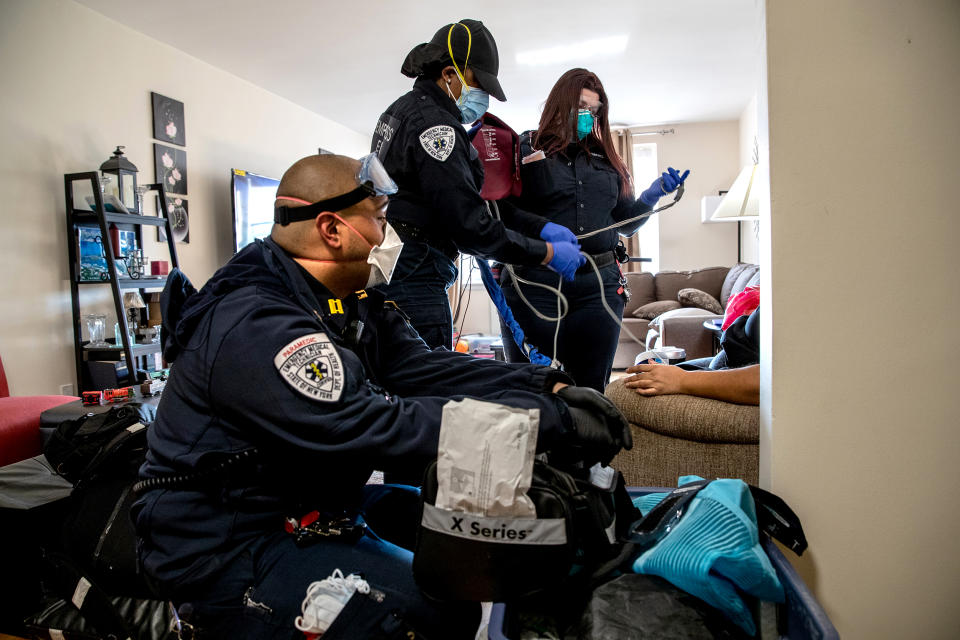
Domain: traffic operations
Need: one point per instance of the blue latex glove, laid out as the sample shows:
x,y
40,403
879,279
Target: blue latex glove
x,y
557,233
668,182
566,259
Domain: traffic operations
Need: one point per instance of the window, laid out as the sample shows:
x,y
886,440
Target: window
x,y
647,240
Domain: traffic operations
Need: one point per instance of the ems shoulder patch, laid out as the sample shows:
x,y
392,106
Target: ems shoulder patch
x,y
438,141
312,366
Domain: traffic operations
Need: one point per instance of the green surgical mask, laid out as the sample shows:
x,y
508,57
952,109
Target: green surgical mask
x,y
584,123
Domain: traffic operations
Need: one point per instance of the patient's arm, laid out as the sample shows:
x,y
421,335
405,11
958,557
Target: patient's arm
x,y
731,385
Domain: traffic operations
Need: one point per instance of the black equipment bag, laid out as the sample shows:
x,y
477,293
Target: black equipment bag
x,y
99,536
459,556
64,578
101,454
83,448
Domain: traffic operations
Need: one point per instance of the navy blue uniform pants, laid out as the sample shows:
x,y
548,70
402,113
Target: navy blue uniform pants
x,y
419,287
259,594
588,335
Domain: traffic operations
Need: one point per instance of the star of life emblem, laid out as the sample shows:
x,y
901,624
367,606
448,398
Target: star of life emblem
x,y
312,366
438,141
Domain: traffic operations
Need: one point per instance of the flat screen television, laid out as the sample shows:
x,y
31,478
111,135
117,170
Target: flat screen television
x,y
253,197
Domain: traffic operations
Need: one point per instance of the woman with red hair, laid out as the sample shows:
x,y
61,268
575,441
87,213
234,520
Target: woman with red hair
x,y
573,177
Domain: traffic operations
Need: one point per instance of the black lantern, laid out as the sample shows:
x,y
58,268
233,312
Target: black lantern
x,y
126,177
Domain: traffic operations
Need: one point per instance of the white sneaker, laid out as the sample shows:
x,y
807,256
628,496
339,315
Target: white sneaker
x,y
325,599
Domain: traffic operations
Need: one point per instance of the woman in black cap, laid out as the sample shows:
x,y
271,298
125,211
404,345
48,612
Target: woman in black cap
x,y
438,211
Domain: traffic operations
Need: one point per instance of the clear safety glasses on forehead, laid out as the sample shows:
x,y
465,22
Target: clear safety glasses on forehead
x,y
372,180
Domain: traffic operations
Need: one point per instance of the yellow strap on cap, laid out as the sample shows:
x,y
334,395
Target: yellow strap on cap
x,y
463,80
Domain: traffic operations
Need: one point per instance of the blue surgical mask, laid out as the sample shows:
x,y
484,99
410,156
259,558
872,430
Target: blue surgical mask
x,y
584,123
473,103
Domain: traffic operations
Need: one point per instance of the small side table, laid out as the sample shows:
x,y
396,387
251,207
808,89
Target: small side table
x,y
713,326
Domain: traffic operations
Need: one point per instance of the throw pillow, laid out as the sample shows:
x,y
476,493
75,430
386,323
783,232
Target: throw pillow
x,y
669,283
653,309
700,300
733,283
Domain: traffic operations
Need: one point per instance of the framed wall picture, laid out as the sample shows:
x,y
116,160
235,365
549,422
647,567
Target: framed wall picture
x,y
168,122
171,168
178,212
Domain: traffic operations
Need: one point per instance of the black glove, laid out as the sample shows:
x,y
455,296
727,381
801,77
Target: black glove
x,y
599,426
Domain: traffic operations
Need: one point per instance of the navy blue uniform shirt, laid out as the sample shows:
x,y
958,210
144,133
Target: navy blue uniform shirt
x,y
579,189
425,149
326,390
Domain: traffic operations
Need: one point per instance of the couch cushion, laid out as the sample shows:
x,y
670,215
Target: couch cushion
x,y
669,283
732,283
688,417
640,285
651,310
699,299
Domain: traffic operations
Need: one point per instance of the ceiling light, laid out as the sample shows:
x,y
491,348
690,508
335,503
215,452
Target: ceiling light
x,y
608,46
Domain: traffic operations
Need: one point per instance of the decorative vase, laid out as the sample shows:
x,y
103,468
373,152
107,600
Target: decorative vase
x,y
96,326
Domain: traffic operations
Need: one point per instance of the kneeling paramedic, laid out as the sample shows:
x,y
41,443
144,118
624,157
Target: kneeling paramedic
x,y
288,388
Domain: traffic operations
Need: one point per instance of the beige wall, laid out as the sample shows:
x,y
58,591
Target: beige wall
x,y
864,439
74,85
710,150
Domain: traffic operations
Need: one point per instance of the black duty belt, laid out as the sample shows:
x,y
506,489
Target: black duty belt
x,y
408,231
601,260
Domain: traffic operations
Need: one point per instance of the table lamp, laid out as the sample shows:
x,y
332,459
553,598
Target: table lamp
x,y
133,302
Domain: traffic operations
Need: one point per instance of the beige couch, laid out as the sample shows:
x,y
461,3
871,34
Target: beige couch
x,y
678,435
665,309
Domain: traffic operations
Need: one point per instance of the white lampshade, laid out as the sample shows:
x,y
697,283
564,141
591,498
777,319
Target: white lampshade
x,y
742,201
133,300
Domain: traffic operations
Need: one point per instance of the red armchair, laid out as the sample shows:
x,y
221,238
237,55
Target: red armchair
x,y
20,422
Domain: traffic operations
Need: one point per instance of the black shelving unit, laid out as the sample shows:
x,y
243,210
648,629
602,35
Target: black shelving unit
x,y
101,218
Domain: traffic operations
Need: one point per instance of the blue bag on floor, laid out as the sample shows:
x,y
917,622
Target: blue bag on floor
x,y
714,550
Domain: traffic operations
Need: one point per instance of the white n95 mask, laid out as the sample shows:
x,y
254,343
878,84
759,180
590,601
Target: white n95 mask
x,y
383,258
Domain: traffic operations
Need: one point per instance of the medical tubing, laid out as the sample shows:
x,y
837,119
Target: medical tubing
x,y
676,199
562,299
562,304
565,306
556,332
495,212
603,299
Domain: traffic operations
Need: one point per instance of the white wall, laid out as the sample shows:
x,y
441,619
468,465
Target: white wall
x,y
711,151
863,226
74,85
750,230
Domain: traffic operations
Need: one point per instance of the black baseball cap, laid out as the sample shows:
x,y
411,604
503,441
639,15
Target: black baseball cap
x,y
483,57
